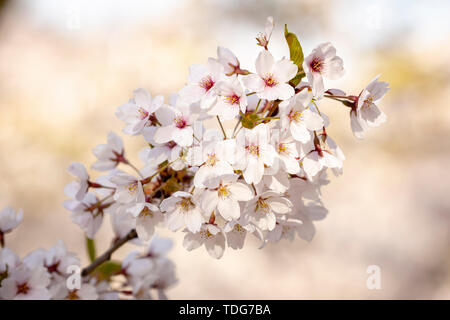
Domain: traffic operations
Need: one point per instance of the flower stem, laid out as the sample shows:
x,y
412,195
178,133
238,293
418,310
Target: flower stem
x,y
107,255
221,127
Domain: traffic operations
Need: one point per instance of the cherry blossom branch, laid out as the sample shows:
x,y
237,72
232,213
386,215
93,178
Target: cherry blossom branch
x,y
2,240
107,255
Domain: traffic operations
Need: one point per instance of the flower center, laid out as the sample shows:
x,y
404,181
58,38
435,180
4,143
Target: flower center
x,y
186,204
296,116
223,191
232,99
205,234
132,188
282,148
253,150
316,64
207,83
171,144
212,159
53,268
142,113
146,212
238,228
180,123
263,205
369,101
269,81
23,288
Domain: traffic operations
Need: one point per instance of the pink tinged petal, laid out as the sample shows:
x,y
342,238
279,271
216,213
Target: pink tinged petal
x,y
78,170
317,85
208,99
236,239
253,83
330,161
284,91
175,220
291,164
184,137
240,191
334,68
270,221
216,246
280,205
165,115
267,154
191,93
355,123
311,164
115,142
312,120
193,220
145,227
164,134
254,171
284,70
300,132
229,209
142,98
209,200
264,63
192,241
197,72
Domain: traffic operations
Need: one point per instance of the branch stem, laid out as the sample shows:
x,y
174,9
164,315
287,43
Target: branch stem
x,y
107,255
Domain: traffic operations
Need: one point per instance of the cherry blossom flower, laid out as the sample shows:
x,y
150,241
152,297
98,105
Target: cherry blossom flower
x,y
214,162
271,79
8,261
287,153
128,188
296,115
210,235
262,210
78,188
322,62
88,213
255,152
367,114
9,219
139,111
176,125
182,209
236,231
23,283
56,260
231,99
229,62
263,38
224,193
148,216
109,155
201,83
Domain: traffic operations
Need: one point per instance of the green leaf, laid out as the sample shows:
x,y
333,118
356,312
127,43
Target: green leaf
x,y
296,54
107,269
90,246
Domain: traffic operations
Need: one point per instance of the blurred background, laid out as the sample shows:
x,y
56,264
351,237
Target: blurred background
x,y
66,65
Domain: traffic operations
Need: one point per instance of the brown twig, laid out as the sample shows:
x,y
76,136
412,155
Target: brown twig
x,y
107,255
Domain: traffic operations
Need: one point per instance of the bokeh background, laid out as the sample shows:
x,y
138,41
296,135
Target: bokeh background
x,y
66,65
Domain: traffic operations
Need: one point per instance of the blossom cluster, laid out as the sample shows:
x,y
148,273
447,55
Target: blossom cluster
x,y
56,273
257,172
263,178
